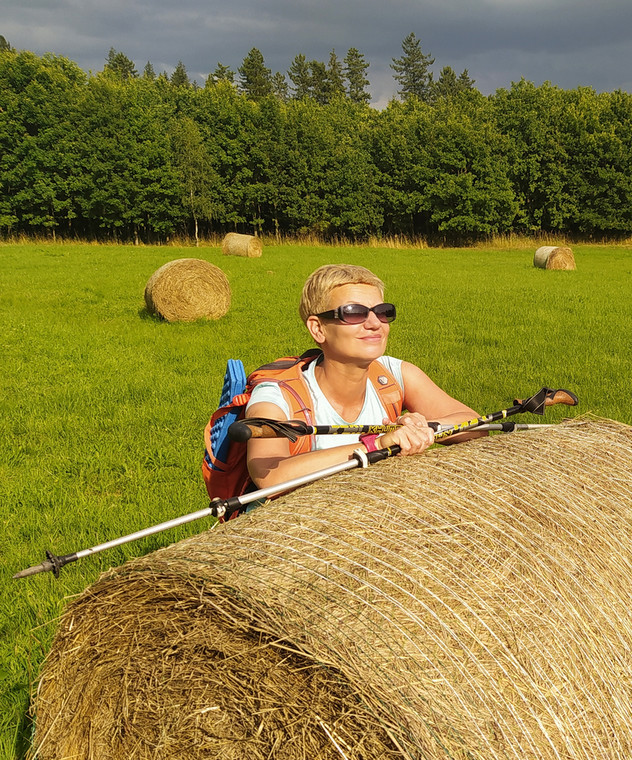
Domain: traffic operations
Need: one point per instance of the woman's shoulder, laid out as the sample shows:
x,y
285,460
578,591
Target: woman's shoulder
x,y
394,366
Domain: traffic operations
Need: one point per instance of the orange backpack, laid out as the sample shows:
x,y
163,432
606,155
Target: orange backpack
x,y
224,466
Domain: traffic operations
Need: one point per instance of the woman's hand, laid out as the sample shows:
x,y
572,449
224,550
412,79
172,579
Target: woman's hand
x,y
413,437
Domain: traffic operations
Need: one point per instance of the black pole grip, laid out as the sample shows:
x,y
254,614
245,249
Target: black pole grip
x,y
380,454
239,432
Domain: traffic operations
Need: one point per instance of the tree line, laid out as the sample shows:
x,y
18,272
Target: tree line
x,y
123,156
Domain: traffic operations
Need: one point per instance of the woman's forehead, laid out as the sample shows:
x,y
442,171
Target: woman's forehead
x,y
368,295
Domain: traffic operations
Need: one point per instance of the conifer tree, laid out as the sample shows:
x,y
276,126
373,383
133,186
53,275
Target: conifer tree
x,y
446,85
280,88
148,72
120,65
300,76
318,81
355,72
335,77
465,81
255,79
412,70
222,74
180,77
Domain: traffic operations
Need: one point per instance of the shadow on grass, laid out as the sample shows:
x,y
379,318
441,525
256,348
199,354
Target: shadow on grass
x,y
147,316
24,734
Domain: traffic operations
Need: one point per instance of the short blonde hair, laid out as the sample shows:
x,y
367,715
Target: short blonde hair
x,y
318,286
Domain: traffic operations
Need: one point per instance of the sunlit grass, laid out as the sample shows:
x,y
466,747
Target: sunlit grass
x,y
103,407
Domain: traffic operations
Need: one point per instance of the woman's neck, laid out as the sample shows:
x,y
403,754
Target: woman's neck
x,y
344,386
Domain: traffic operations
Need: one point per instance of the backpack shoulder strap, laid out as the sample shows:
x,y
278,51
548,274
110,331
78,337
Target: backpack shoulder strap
x,y
390,392
287,373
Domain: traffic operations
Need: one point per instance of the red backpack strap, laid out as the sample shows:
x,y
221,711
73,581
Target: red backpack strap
x,y
389,391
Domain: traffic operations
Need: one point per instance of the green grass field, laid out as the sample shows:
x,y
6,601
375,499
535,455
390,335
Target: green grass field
x,y
103,407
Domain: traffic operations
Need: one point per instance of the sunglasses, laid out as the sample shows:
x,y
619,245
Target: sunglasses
x,y
356,313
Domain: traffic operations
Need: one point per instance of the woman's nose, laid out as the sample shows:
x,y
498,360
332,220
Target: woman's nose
x,y
372,321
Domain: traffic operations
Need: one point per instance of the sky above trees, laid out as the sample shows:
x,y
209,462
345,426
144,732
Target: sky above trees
x,y
568,42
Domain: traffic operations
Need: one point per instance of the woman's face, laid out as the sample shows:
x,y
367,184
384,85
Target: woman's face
x,y
340,341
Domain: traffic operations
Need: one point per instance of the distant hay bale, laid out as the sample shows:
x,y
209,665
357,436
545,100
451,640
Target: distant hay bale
x,y
554,257
470,603
242,245
188,289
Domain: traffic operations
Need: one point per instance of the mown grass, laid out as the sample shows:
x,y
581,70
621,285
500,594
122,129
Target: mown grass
x,y
103,406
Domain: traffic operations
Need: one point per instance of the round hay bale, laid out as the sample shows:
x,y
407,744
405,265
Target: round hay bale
x,y
188,289
242,245
554,257
473,602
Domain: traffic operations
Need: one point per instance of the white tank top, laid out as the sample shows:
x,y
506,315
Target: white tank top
x,y
372,412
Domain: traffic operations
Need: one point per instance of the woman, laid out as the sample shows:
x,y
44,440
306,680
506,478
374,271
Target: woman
x,y
342,307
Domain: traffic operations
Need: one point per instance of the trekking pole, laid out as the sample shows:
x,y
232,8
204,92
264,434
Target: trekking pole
x,y
221,508
510,427
224,508
535,404
260,427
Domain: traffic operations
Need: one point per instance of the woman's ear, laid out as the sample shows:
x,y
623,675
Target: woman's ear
x,y
315,328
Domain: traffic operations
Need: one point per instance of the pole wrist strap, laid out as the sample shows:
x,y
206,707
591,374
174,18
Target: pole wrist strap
x,y
369,439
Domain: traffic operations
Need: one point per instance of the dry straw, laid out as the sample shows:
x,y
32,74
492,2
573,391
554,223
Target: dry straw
x,y
554,257
472,603
242,245
188,289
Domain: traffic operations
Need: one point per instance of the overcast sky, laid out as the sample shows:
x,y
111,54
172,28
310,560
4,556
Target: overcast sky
x,y
570,43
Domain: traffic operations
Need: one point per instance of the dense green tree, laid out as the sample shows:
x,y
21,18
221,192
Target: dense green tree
x,y
4,45
120,65
194,170
469,192
533,118
412,70
129,186
300,76
355,67
180,77
255,79
598,135
38,170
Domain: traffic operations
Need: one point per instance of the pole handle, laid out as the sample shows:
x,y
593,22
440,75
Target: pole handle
x,y
260,427
546,397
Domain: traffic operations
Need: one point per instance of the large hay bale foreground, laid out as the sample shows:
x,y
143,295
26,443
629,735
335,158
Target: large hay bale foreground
x,y
184,290
554,257
470,603
235,244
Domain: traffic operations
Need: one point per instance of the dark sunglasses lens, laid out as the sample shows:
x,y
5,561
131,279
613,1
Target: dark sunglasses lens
x,y
354,313
385,312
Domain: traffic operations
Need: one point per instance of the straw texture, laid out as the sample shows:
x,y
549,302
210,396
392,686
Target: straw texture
x,y
471,603
184,290
235,244
554,257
